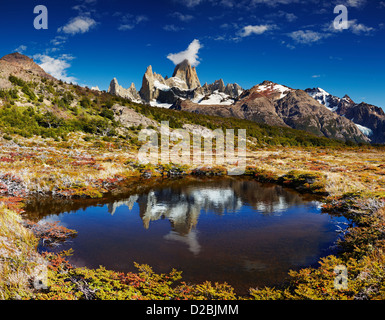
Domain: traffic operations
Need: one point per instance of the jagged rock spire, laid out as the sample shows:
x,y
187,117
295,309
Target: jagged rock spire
x,y
185,72
118,90
146,92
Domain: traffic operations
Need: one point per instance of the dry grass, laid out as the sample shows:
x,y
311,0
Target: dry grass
x,y
20,264
49,166
349,170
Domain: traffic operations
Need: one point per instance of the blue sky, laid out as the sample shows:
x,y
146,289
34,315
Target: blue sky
x,y
291,42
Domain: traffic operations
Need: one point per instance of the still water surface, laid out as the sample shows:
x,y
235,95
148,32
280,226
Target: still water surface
x,y
223,229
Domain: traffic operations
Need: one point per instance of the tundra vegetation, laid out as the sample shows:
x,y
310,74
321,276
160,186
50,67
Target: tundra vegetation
x,y
68,141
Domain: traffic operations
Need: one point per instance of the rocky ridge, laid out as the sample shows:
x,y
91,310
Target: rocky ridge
x,y
184,84
277,105
118,90
267,103
21,66
368,118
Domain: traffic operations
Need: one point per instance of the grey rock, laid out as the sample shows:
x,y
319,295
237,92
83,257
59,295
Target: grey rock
x,y
119,91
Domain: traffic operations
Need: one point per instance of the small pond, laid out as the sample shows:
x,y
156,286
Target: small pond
x,y
233,230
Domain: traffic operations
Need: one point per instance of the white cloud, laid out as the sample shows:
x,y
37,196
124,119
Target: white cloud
x,y
66,56
307,36
359,28
356,3
190,3
290,17
273,3
125,27
182,17
245,4
172,27
328,30
80,24
59,40
353,26
84,7
129,22
249,30
227,3
20,49
191,54
140,18
56,67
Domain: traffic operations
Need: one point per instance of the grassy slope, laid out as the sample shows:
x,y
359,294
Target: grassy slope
x,y
54,109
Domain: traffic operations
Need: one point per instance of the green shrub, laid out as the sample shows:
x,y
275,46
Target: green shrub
x,y
7,137
16,81
27,91
107,113
25,87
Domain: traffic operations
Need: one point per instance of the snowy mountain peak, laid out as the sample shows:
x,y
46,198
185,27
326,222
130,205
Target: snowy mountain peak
x,y
320,90
347,99
345,107
273,90
325,98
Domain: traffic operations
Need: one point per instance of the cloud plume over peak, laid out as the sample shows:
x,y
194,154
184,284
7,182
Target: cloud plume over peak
x,y
190,54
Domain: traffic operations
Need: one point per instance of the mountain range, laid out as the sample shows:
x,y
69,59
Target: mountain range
x,y
368,118
312,110
184,84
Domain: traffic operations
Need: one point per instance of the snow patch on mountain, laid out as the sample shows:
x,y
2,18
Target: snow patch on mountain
x,y
273,87
337,105
323,97
216,98
181,83
161,86
366,131
155,103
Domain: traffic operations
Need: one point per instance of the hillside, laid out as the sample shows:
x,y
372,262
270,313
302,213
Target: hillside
x,y
20,66
34,103
368,118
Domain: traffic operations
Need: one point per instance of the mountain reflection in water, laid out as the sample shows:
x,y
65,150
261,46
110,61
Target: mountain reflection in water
x,y
183,207
219,229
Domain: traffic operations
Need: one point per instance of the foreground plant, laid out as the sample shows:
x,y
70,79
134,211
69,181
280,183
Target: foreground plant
x,y
50,233
68,283
20,264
